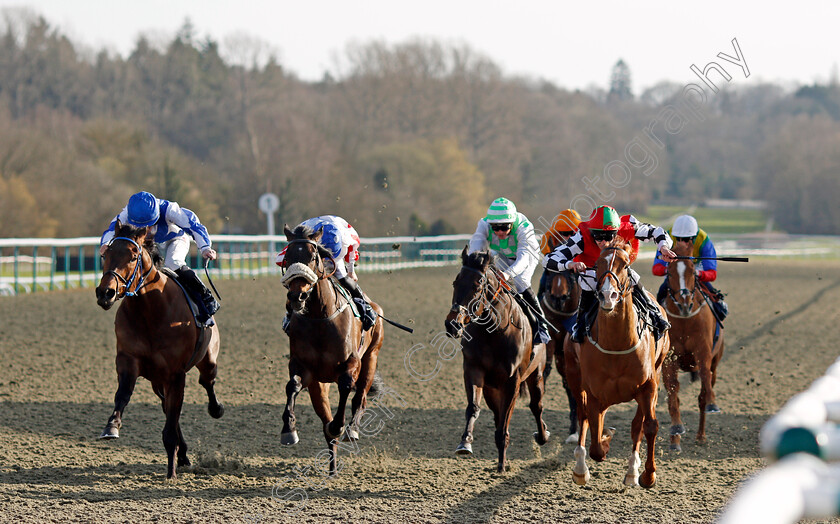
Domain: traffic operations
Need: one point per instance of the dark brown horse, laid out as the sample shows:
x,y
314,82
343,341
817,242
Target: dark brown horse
x,y
560,304
618,362
498,355
157,337
326,342
693,344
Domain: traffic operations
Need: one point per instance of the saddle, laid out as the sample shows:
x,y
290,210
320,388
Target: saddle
x,y
192,302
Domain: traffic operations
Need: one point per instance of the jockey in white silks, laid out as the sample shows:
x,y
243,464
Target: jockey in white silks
x,y
510,235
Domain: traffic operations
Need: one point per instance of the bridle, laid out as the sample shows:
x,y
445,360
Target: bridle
x,y
463,312
567,276
138,267
684,292
622,288
319,270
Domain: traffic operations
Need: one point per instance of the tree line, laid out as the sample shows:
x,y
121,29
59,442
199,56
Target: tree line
x,y
414,138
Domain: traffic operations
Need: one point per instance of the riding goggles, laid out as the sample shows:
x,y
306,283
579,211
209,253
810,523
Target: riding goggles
x,y
685,239
500,227
602,235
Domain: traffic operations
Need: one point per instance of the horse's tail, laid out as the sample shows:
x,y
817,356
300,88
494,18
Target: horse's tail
x,y
377,386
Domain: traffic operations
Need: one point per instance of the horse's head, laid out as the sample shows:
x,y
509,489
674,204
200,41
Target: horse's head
x,y
469,289
612,275
124,264
563,293
304,263
681,279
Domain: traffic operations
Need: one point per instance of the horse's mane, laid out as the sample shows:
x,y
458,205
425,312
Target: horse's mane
x,y
302,231
133,232
478,260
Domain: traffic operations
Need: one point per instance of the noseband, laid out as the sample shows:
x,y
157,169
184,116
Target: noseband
x,y
137,268
319,271
462,311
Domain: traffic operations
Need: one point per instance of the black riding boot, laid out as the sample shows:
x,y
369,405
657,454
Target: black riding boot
x,y
541,334
660,323
587,301
205,300
663,291
368,315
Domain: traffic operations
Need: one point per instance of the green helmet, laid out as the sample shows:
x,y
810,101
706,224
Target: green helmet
x,y
501,211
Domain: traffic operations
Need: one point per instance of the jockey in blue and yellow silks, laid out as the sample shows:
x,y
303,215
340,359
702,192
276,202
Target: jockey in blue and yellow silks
x,y
685,229
510,234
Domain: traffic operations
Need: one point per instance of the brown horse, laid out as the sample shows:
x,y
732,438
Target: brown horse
x,y
560,304
326,342
157,337
693,344
618,362
498,355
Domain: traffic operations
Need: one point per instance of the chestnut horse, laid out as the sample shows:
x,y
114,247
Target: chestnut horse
x,y
498,355
618,362
693,344
560,303
326,342
157,337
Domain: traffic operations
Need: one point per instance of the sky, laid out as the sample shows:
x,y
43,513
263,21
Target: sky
x,y
571,44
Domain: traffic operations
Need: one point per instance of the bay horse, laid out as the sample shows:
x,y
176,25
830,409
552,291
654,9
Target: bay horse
x,y
560,303
693,344
326,342
157,336
617,362
497,348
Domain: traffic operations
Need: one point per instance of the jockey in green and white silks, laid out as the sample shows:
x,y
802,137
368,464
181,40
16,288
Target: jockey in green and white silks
x,y
510,235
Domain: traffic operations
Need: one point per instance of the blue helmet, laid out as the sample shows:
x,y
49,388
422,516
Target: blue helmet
x,y
331,238
143,209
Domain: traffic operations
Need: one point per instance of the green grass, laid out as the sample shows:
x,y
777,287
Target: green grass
x,y
711,220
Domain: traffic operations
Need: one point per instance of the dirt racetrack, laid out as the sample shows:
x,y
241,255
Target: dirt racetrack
x,y
57,383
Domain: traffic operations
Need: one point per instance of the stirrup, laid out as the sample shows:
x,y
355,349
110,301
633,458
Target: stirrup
x,y
286,321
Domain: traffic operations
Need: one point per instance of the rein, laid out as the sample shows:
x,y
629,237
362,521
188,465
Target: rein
x,y
137,268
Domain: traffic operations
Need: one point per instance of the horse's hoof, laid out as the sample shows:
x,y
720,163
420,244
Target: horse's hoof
x,y
289,439
540,441
109,433
464,448
580,480
216,411
609,432
677,429
631,480
676,448
350,435
645,483
712,409
184,462
573,438
334,436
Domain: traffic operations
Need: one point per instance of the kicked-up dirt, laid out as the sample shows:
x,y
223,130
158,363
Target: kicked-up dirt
x,y
57,383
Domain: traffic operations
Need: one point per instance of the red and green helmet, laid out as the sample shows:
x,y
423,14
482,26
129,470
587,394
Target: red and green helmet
x,y
604,218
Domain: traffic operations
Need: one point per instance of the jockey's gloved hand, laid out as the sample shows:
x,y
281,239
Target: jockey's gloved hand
x,y
208,253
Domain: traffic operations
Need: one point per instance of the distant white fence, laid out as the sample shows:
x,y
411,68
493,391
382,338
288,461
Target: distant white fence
x,y
35,264
31,264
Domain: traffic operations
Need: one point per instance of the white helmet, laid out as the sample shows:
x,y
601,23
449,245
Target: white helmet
x,y
685,226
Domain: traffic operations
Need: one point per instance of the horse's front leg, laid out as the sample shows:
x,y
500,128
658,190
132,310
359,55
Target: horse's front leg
x,y
346,381
507,401
631,478
473,386
647,403
580,471
359,403
319,394
127,371
536,390
288,435
670,369
172,404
